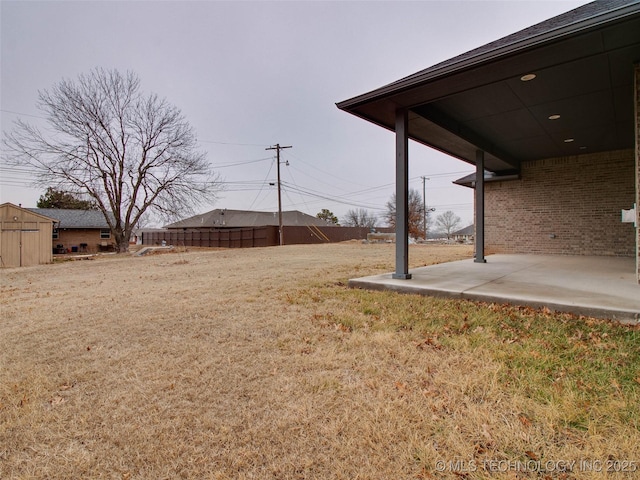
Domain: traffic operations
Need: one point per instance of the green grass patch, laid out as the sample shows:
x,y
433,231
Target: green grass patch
x,y
587,368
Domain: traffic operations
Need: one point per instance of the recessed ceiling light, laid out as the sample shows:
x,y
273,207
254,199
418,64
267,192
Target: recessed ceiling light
x,y
555,116
569,140
527,77
583,147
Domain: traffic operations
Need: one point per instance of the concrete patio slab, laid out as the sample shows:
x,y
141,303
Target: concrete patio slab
x,y
603,287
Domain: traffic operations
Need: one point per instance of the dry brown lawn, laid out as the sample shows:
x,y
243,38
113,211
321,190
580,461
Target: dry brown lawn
x,y
261,363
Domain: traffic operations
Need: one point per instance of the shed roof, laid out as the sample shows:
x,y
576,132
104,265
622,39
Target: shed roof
x,y
69,218
9,207
223,218
583,66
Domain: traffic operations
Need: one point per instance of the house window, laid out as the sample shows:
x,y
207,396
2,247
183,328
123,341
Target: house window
x,y
55,234
105,233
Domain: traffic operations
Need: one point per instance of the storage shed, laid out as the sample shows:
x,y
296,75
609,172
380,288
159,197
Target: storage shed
x,y
25,237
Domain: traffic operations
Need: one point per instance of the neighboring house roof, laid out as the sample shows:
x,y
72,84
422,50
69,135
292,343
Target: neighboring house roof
x,y
465,231
223,218
583,66
68,218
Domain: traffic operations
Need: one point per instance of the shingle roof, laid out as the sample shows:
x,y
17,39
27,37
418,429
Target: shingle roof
x,y
223,218
567,19
74,218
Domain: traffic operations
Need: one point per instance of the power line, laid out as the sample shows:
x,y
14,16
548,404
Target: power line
x,y
357,192
227,165
332,199
327,173
295,183
21,176
442,174
311,191
231,143
13,112
24,114
260,191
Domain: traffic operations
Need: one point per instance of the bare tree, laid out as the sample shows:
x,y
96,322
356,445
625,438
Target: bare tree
x,y
360,218
448,222
416,213
130,152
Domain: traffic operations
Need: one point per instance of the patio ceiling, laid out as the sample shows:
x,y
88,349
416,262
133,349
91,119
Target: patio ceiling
x,y
583,66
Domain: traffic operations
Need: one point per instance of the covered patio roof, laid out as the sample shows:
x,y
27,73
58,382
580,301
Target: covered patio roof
x,y
561,87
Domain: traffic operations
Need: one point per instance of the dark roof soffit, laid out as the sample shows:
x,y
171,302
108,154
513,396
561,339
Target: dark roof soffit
x,y
610,11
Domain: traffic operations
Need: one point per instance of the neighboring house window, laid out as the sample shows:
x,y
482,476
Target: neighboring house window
x,y
55,235
105,233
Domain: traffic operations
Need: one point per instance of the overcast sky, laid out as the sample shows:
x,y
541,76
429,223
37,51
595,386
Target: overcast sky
x,y
248,75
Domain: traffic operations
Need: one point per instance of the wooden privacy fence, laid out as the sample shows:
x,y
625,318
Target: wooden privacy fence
x,y
255,236
229,238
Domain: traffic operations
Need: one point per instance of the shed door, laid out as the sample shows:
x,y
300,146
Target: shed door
x,y
30,254
19,248
10,248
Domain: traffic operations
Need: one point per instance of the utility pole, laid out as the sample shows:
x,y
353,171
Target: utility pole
x,y
277,148
424,208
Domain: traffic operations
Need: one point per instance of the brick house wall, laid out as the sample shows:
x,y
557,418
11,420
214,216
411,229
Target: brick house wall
x,y
637,155
567,205
74,237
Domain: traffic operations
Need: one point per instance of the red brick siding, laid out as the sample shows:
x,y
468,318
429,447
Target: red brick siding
x,y
576,200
